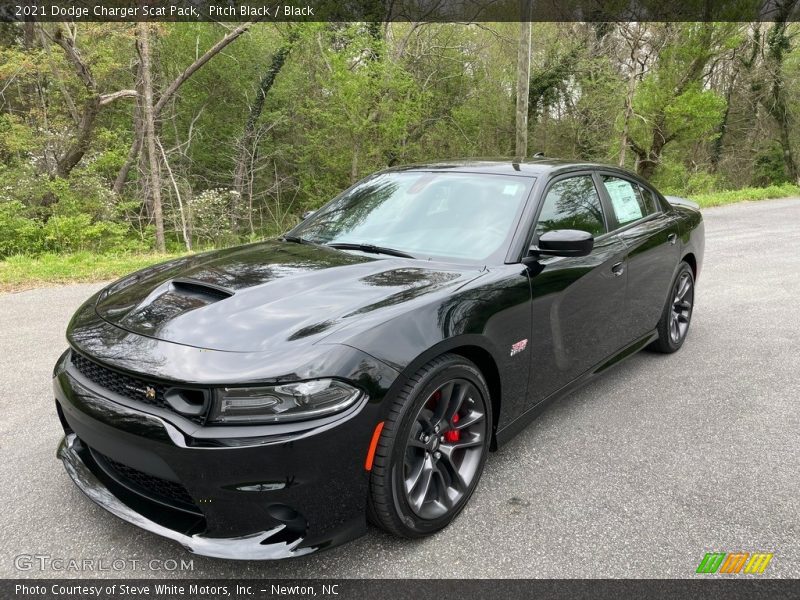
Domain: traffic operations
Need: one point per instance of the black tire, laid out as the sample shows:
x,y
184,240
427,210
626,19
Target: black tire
x,y
409,444
673,327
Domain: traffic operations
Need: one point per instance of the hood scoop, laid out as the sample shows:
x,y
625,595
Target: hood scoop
x,y
195,287
170,300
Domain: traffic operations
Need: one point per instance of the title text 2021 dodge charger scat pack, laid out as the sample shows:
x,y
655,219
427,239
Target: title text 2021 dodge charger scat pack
x,y
265,401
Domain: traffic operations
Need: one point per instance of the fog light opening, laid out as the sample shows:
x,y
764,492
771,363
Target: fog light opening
x,y
296,525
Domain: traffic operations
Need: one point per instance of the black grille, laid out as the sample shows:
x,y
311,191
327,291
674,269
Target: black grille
x,y
131,387
170,492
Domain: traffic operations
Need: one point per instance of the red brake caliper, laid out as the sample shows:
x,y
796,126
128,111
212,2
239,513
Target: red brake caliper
x,y
452,435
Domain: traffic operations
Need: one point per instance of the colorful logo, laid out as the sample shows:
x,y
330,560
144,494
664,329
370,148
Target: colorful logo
x,y
519,346
734,562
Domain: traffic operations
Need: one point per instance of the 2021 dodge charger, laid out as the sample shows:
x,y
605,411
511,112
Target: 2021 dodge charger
x,y
264,401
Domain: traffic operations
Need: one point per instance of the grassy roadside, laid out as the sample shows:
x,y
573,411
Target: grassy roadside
x,y
24,272
784,190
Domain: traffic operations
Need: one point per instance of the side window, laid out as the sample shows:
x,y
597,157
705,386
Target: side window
x,y
629,201
652,200
571,204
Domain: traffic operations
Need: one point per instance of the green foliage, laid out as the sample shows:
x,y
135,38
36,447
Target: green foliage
x,y
23,235
78,233
691,114
353,98
675,178
20,234
769,166
356,107
784,190
694,114
16,139
210,217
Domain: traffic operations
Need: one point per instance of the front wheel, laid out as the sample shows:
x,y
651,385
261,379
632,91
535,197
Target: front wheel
x,y
432,448
674,323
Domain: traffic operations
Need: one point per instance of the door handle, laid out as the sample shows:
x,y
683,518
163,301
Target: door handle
x,y
618,269
672,238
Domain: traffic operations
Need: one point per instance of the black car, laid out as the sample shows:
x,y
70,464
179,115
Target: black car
x,y
265,401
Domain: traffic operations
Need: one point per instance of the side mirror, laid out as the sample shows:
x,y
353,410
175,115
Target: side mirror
x,y
561,242
307,214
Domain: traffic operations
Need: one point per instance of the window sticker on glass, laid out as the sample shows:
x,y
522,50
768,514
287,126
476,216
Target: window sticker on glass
x,y
510,189
623,199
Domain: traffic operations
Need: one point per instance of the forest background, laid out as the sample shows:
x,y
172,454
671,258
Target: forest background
x,y
122,143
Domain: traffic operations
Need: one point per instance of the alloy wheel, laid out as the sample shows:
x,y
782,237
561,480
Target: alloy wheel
x,y
444,449
681,307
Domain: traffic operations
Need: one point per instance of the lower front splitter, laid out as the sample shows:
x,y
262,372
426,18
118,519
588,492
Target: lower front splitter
x,y
255,546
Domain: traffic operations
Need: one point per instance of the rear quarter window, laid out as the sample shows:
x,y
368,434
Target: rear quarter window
x,y
629,201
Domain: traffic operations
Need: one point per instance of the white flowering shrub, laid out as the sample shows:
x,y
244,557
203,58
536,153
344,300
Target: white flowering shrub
x,y
209,215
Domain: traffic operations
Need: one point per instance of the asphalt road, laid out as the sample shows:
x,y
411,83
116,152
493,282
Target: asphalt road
x,y
638,475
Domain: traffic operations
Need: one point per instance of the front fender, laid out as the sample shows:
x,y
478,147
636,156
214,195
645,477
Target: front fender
x,y
492,317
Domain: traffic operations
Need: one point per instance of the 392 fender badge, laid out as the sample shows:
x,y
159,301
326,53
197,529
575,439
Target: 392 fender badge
x,y
519,347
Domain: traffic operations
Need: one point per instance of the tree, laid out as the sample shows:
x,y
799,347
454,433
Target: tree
x,y
634,35
291,114
65,36
523,78
779,44
148,113
168,93
671,102
247,146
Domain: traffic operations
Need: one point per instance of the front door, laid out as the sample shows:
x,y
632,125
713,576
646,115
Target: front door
x,y
577,302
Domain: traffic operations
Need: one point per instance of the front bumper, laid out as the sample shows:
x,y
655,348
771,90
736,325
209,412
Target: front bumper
x,y
264,496
255,546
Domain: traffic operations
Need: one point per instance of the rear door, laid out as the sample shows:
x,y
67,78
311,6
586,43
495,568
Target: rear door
x,y
576,301
651,235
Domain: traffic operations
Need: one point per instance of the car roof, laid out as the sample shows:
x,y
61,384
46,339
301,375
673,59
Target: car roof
x,y
532,167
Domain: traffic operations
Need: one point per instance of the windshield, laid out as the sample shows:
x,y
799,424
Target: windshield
x,y
464,216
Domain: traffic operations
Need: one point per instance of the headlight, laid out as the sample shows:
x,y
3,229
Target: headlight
x,y
288,402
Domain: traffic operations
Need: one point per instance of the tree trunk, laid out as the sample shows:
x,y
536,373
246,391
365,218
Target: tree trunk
x,y
647,163
28,34
646,166
143,36
623,145
173,87
80,145
719,141
523,79
778,44
246,147
788,151
187,237
91,108
354,162
138,134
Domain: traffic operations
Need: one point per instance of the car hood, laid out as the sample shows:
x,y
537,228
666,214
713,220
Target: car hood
x,y
261,296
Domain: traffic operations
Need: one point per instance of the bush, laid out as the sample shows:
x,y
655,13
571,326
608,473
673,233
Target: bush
x,y
19,233
25,235
71,234
209,214
769,167
674,178
16,138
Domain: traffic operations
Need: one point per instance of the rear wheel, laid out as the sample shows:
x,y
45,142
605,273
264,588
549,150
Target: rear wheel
x,y
432,449
674,323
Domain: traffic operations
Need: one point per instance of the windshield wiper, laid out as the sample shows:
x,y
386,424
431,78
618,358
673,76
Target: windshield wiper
x,y
370,248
